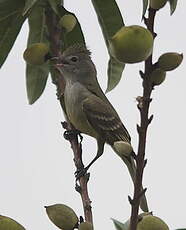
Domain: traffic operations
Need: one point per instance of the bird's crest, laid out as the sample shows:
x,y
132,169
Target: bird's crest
x,y
76,49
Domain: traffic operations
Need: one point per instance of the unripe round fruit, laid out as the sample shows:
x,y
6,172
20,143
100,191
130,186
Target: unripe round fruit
x,y
7,223
123,148
140,216
62,216
68,21
132,44
36,53
157,76
157,4
170,61
85,226
150,222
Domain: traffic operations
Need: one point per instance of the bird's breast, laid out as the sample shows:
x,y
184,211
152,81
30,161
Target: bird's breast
x,y
74,96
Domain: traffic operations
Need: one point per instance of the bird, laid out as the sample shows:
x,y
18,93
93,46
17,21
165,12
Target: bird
x,y
89,110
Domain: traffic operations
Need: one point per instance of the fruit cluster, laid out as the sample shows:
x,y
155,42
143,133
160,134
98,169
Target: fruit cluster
x,y
133,44
65,218
166,62
38,53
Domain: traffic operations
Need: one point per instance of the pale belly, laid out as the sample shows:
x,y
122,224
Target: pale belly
x,y
74,96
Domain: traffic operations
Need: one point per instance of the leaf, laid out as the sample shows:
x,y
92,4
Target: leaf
x,y
145,5
173,5
36,76
120,226
11,21
110,20
28,5
114,73
36,81
73,37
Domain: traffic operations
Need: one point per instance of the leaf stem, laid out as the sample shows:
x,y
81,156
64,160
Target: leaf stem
x,y
142,128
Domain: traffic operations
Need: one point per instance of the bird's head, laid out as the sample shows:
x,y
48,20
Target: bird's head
x,y
76,62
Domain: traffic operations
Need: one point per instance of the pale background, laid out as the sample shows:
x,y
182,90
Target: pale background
x,y
36,166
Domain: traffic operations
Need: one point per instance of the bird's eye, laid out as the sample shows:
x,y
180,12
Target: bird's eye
x,y
74,59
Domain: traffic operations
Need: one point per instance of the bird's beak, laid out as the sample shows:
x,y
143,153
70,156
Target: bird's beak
x,y
61,63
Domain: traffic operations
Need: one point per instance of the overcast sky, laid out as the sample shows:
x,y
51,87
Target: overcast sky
x,y
36,166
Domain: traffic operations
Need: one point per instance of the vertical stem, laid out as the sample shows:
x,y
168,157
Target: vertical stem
x,y
142,128
54,34
82,184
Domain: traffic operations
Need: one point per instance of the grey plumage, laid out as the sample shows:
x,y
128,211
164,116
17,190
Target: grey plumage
x,y
87,107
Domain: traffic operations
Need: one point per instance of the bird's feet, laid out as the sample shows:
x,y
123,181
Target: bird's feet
x,y
71,134
81,172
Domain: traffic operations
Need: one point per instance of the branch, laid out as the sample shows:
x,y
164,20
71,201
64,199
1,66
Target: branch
x,y
81,184
54,36
143,106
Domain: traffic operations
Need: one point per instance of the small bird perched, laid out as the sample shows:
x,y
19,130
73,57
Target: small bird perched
x,y
89,110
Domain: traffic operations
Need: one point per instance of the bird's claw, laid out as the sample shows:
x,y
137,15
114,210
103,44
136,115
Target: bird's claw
x,y
81,172
70,134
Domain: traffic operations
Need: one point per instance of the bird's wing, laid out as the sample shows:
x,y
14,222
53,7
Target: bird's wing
x,y
104,119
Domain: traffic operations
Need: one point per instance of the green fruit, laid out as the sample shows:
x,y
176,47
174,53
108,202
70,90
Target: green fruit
x,y
62,216
140,216
157,4
123,148
36,53
157,76
170,61
150,222
7,223
85,226
132,44
68,21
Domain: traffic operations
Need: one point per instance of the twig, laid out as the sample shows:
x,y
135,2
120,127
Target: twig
x,y
142,128
54,36
81,184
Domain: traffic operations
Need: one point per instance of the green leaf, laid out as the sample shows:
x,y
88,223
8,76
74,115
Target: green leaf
x,y
73,37
114,73
36,76
28,5
173,4
109,17
145,5
11,21
120,226
110,20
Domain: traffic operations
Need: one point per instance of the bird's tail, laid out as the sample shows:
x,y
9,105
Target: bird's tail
x,y
130,163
